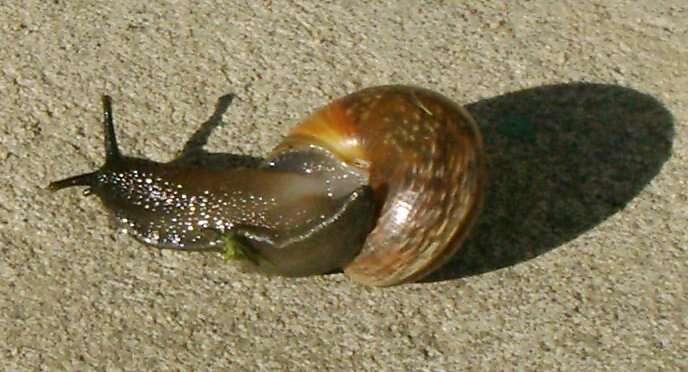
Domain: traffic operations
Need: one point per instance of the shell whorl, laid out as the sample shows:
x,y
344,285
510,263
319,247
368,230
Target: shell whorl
x,y
423,157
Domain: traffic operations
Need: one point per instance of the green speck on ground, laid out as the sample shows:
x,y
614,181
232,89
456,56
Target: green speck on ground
x,y
233,248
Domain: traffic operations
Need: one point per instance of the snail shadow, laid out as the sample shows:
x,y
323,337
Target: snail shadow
x,y
561,159
194,153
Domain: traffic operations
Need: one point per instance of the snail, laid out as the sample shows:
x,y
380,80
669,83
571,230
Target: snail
x,y
383,184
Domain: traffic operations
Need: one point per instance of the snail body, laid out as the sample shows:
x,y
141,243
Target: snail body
x,y
384,183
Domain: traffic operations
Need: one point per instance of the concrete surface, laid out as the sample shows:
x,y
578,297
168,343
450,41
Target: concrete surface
x,y
578,263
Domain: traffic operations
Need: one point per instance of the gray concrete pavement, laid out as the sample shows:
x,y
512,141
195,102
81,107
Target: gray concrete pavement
x,y
578,263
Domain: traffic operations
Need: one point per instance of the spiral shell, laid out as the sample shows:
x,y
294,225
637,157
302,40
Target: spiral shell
x,y
423,157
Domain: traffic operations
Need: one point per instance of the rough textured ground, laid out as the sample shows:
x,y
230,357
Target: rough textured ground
x,y
578,263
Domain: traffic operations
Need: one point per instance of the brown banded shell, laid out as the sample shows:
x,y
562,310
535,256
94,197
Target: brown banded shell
x,y
423,156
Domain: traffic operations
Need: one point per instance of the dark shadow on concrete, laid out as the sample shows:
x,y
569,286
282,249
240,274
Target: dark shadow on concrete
x,y
194,153
562,158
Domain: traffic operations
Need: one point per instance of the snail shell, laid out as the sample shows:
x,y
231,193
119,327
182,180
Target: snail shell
x,y
384,183
423,158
